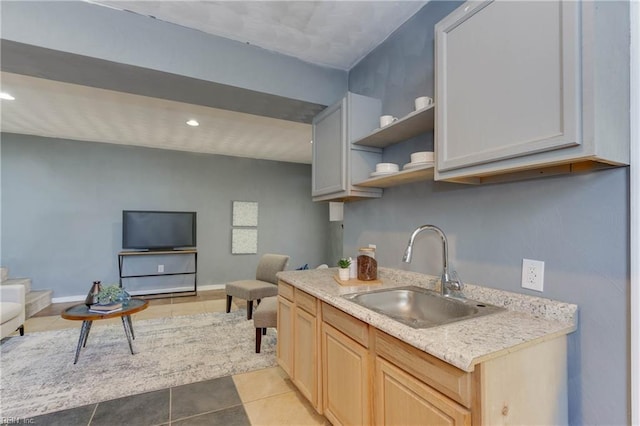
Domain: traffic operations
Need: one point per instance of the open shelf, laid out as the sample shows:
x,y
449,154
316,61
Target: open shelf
x,y
407,127
405,176
133,254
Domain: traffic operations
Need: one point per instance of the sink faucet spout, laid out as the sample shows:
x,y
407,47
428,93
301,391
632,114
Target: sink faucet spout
x,y
449,280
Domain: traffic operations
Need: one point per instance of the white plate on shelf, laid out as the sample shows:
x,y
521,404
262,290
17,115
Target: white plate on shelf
x,y
417,164
378,174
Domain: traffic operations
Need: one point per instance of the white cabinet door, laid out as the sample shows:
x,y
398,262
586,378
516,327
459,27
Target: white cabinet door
x,y
329,150
336,163
507,81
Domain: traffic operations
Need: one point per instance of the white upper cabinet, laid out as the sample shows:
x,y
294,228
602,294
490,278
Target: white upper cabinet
x,y
337,163
329,150
516,87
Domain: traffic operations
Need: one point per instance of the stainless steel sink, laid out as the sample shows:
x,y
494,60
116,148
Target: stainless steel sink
x,y
419,307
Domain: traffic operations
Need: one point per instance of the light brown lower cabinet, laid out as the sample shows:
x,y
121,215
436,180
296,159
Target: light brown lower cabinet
x,y
527,386
284,349
401,399
306,350
355,374
346,386
298,348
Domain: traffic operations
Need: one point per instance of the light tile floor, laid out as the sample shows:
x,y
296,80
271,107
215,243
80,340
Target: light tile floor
x,y
267,396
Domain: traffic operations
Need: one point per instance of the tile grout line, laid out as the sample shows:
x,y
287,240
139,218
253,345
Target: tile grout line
x,y
170,405
93,413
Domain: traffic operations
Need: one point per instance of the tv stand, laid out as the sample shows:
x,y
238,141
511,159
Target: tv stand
x,y
133,254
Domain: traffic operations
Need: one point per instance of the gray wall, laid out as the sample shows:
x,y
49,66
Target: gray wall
x,y
62,205
578,225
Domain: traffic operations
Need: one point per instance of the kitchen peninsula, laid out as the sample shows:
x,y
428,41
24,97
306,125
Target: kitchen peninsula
x,y
355,365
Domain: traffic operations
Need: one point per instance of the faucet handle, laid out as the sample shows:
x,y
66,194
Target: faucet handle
x,y
454,282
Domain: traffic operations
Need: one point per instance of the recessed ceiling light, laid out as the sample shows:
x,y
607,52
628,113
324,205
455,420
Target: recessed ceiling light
x,y
193,123
6,96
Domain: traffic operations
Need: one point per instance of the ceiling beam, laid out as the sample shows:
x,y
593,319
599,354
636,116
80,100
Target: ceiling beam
x,y
34,61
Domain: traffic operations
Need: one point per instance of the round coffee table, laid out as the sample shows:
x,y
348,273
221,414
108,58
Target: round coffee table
x,y
82,313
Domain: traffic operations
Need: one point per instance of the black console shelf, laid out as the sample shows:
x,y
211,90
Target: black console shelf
x,y
124,254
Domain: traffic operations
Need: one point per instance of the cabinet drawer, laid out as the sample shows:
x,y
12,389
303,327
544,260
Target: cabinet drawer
x,y
285,290
451,381
401,399
305,301
352,327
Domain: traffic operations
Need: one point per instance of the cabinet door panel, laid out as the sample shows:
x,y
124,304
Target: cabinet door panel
x,y
305,373
346,385
445,378
507,81
285,335
329,150
401,399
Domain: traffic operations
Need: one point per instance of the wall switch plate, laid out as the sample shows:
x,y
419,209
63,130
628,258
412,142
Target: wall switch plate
x,y
533,274
160,269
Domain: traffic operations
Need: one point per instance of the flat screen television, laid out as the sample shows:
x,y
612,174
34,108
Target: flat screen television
x,y
158,230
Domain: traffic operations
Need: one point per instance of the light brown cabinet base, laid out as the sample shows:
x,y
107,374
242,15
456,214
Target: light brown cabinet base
x,y
346,384
298,350
401,399
362,375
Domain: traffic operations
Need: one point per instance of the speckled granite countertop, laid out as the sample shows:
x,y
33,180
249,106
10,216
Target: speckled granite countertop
x,y
527,320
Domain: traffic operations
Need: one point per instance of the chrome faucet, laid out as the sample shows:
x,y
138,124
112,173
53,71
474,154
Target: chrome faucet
x,y
449,280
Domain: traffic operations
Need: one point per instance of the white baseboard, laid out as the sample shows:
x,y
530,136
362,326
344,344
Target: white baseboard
x,y
68,299
211,287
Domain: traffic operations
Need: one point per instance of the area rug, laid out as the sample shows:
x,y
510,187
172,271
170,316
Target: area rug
x,y
37,374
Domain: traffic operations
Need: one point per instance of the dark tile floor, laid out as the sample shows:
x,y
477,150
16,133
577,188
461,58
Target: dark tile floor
x,y
212,402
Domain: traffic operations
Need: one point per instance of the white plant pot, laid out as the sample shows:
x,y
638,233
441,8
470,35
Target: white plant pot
x,y
343,274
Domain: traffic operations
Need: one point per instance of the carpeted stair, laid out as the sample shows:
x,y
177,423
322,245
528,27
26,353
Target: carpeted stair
x,y
37,300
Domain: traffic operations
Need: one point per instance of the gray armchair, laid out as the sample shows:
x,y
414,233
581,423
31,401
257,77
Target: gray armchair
x,y
265,284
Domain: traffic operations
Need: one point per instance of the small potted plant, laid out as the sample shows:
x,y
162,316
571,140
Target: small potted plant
x,y
111,294
343,272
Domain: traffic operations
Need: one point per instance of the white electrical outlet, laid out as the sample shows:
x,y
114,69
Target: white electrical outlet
x,y
160,269
533,274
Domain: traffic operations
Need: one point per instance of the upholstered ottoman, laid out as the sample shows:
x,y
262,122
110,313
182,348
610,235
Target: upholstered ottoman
x,y
266,315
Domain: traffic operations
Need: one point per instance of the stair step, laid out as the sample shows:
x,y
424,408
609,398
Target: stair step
x,y
36,301
4,274
26,282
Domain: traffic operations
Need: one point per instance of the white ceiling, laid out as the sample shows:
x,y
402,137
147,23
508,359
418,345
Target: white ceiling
x,y
335,33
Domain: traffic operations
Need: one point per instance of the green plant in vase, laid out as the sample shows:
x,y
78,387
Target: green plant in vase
x,y
344,263
343,272
110,294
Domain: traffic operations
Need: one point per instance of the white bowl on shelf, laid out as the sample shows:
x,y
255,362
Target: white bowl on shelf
x,y
387,168
421,157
